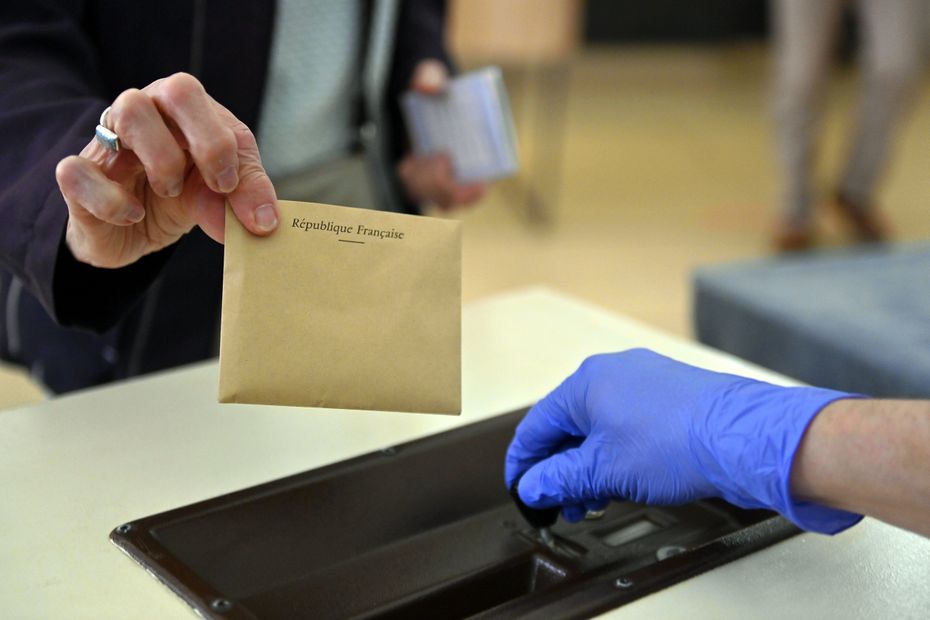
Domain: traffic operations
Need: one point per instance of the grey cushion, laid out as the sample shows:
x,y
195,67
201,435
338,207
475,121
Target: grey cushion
x,y
856,321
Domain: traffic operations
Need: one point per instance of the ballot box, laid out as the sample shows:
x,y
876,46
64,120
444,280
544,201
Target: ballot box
x,y
390,526
427,529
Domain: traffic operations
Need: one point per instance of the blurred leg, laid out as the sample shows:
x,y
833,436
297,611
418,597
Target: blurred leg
x,y
804,33
892,42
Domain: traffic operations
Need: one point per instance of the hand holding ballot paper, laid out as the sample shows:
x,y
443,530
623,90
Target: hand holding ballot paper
x,y
462,135
348,308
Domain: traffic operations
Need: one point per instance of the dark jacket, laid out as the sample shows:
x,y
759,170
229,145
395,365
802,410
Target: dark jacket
x,y
61,63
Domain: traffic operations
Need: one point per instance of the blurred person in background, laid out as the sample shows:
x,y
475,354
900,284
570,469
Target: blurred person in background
x,y
107,269
891,49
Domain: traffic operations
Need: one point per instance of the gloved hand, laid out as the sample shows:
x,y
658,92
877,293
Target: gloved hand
x,y
642,427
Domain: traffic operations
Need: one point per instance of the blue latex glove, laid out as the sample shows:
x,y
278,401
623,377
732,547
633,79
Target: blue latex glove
x,y
642,427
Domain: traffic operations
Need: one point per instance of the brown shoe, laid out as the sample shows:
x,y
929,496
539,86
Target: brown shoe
x,y
865,222
793,235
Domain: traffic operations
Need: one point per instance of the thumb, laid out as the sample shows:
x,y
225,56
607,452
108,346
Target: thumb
x,y
430,78
253,201
568,477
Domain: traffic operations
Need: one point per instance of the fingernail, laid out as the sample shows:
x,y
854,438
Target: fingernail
x,y
228,179
135,214
266,219
175,190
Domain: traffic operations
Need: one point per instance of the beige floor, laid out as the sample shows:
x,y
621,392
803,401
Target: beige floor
x,y
667,165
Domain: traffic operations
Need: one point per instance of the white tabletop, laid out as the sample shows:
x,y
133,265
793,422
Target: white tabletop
x,y
73,468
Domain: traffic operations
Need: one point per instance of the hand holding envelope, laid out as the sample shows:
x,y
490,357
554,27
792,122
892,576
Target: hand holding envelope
x,y
343,308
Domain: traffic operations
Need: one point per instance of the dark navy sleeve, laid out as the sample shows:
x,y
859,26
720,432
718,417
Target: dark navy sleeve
x,y
50,100
420,35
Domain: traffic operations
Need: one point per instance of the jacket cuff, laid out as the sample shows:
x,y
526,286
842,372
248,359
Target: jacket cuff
x,y
96,298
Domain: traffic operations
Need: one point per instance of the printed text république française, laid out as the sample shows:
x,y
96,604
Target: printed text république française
x,y
342,229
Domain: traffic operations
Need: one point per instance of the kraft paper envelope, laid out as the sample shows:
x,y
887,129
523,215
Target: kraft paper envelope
x,y
343,308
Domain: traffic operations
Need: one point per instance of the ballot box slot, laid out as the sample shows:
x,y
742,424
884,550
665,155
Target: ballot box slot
x,y
479,592
375,501
427,529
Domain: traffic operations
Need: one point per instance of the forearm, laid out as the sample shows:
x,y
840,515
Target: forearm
x,y
870,457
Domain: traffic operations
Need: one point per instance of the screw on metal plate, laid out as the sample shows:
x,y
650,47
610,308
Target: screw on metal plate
x,y
220,604
125,528
389,451
667,552
623,582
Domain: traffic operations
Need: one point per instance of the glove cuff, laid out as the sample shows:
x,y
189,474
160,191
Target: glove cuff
x,y
809,515
817,518
757,429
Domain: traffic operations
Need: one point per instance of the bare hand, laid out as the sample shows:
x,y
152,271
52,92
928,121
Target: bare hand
x,y
429,179
182,156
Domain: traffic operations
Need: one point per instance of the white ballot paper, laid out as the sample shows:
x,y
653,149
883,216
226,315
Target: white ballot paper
x,y
470,122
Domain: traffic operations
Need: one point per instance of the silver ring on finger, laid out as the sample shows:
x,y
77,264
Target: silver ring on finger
x,y
106,136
